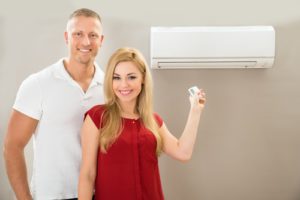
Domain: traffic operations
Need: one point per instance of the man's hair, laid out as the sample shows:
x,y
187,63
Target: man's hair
x,y
83,12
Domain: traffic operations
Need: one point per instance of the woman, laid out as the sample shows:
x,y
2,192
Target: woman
x,y
122,139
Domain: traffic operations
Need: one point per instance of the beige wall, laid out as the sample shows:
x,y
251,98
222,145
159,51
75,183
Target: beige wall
x,y
249,139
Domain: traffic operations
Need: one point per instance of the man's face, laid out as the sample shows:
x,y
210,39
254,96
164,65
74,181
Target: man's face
x,y
84,38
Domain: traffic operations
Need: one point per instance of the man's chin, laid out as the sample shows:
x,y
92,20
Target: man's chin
x,y
85,61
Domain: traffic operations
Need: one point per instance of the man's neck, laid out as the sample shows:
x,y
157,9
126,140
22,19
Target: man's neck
x,y
81,73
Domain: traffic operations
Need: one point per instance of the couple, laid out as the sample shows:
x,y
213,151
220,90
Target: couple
x,y
107,148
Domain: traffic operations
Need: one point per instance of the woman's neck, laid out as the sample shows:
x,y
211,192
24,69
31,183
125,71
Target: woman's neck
x,y
129,111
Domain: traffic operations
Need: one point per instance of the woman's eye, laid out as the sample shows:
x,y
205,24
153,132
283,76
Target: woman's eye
x,y
132,77
116,78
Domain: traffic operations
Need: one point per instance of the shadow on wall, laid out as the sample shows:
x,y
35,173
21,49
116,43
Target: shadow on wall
x,y
287,41
119,33
288,59
251,153
2,50
2,39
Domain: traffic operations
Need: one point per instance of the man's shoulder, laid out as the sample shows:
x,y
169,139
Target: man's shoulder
x,y
50,69
46,73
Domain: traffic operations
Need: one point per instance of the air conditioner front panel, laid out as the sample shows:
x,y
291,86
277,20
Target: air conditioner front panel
x,y
188,43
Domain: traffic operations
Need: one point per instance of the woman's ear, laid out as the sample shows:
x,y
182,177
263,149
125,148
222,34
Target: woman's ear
x,y
143,82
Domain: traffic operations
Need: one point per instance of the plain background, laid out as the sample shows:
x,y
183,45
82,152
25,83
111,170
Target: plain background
x,y
248,147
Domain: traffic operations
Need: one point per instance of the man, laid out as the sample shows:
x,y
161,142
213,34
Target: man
x,y
50,105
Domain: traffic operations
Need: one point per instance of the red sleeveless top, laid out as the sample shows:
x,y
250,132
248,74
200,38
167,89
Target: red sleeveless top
x,y
129,170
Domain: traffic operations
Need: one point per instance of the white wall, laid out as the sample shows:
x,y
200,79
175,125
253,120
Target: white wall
x,y
248,144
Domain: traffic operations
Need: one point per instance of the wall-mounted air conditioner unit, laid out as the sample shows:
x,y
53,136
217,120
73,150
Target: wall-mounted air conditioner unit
x,y
212,47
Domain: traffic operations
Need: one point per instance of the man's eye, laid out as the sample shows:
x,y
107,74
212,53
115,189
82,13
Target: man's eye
x,y
78,34
94,36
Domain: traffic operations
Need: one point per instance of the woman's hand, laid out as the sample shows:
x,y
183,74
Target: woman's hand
x,y
198,100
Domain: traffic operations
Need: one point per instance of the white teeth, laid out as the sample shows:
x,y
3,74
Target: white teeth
x,y
84,50
124,92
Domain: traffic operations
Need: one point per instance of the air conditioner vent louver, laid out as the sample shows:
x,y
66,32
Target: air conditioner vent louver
x,y
212,47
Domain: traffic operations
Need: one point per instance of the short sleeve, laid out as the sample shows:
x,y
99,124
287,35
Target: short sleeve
x,y
95,114
29,98
158,120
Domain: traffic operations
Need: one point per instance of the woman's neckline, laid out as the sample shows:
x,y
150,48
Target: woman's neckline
x,y
128,118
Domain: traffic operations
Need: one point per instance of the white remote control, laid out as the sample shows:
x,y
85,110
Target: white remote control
x,y
193,90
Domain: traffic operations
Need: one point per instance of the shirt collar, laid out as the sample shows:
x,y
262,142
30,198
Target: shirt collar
x,y
99,75
61,73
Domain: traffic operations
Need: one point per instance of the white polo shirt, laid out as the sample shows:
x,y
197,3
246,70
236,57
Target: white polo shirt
x,y
59,103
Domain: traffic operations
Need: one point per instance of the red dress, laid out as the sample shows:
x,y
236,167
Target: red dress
x,y
129,170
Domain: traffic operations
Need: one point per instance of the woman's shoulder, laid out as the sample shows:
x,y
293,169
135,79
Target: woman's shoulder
x,y
158,119
97,108
96,111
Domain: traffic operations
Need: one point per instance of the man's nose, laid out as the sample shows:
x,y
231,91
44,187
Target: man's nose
x,y
86,40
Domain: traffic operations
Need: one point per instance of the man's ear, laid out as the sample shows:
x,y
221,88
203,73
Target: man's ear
x,y
66,36
101,40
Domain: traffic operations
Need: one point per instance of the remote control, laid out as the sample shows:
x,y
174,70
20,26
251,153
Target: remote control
x,y
193,90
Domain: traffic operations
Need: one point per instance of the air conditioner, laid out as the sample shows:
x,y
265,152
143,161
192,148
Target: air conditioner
x,y
212,47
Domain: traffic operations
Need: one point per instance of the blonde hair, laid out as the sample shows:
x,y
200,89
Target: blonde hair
x,y
111,119
83,12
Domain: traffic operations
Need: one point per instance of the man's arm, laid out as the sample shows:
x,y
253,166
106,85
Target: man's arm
x,y
20,129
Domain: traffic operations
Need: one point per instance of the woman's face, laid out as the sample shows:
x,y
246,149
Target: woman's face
x,y
127,82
